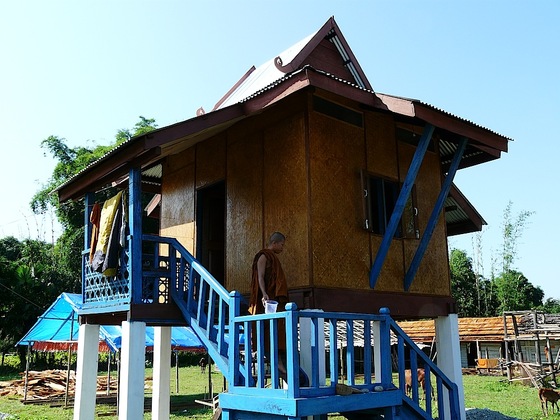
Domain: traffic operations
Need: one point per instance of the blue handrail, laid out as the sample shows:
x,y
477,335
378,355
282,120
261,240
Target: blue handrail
x,y
335,340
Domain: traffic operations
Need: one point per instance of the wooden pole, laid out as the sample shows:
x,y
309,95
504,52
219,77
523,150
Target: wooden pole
x,y
69,361
27,362
67,389
176,372
210,390
549,359
118,357
109,372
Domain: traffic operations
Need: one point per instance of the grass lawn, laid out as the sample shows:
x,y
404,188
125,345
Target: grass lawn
x,y
491,392
495,393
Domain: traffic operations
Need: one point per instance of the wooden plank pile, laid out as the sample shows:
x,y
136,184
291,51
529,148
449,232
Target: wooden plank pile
x,y
48,385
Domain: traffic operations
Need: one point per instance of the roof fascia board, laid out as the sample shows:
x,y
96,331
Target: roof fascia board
x,y
467,206
345,89
480,137
137,152
234,87
296,62
194,125
99,169
313,43
102,174
460,127
281,91
353,58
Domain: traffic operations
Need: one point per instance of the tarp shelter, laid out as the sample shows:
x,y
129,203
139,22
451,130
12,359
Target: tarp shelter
x,y
58,327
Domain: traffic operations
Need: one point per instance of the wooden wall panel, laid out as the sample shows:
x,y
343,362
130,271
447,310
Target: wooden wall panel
x,y
211,161
340,245
244,212
177,199
285,195
391,278
382,158
433,274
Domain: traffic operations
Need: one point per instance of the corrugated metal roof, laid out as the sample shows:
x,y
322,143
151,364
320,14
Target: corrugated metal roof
x,y
449,147
263,76
268,74
470,329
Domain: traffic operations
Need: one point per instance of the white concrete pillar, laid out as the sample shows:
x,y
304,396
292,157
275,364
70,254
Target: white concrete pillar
x,y
305,343
131,379
86,372
377,357
162,373
449,356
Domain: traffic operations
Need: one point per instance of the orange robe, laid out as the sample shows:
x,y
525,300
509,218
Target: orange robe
x,y
276,289
274,280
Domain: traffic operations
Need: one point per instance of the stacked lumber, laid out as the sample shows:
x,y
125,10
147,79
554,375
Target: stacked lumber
x,y
48,384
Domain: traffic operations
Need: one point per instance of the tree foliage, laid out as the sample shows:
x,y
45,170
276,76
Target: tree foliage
x,y
509,290
551,306
463,283
512,231
33,273
516,293
70,161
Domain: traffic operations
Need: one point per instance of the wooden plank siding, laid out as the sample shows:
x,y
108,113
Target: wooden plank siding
x,y
178,198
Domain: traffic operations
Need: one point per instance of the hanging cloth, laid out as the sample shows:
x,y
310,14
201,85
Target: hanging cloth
x,y
108,213
111,261
94,218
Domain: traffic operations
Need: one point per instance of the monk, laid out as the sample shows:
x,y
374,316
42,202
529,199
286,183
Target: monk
x,y
268,281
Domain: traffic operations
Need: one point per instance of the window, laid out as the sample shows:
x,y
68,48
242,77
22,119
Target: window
x,y
380,196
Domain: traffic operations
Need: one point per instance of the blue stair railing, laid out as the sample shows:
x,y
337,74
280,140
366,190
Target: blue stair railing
x,y
433,397
362,351
206,305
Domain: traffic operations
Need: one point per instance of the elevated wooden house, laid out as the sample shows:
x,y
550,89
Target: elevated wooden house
x,y
361,184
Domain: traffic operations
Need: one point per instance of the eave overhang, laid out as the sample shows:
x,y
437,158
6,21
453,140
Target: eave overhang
x,y
147,149
144,150
460,215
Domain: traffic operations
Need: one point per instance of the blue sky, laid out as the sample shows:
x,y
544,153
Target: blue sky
x,y
83,70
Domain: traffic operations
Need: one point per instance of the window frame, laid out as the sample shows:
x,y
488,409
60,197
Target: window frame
x,y
376,217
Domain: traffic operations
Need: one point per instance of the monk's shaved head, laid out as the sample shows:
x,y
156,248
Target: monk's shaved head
x,y
276,237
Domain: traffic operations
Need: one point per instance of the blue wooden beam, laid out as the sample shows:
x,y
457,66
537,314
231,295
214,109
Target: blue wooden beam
x,y
436,212
400,204
135,226
88,203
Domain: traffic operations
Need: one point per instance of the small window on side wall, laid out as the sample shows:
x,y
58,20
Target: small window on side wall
x,y
380,197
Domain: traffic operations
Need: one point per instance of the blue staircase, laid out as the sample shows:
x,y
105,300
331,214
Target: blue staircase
x,y
332,349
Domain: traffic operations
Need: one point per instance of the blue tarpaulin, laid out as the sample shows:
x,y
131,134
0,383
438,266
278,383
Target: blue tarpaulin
x,y
58,326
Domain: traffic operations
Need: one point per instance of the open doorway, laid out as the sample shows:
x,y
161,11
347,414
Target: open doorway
x,y
210,229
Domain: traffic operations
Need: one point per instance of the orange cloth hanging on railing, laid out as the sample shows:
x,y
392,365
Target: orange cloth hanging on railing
x,y
94,218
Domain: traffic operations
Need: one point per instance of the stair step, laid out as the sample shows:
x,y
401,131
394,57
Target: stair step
x,y
300,407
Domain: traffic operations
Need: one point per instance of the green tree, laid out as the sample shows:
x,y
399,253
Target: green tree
x,y
512,231
513,289
463,283
70,162
551,306
31,278
70,214
516,293
33,273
